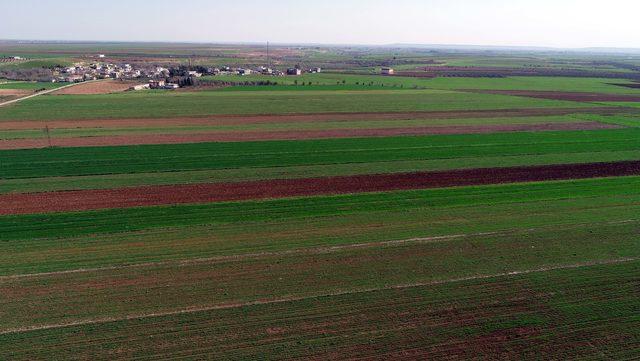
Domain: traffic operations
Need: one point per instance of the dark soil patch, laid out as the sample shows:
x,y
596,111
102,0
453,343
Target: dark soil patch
x,y
632,85
221,192
567,96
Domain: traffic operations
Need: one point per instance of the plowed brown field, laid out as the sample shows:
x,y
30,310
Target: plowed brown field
x,y
98,87
12,92
220,192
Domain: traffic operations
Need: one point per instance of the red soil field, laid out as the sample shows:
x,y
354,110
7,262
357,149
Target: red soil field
x,y
83,200
568,96
99,87
303,118
140,139
11,92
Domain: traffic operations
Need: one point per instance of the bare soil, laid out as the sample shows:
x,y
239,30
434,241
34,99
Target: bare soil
x,y
13,92
271,189
99,87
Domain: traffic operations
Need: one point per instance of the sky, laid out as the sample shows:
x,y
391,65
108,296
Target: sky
x,y
548,23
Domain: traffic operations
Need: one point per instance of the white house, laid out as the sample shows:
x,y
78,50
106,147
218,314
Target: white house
x,y
387,71
156,84
140,87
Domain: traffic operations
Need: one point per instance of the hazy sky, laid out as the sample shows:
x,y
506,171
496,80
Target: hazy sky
x,y
558,23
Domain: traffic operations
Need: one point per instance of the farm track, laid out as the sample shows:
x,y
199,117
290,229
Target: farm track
x,y
244,136
304,118
83,200
315,296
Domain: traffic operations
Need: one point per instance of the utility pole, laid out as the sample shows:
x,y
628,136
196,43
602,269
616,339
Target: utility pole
x,y
268,57
46,129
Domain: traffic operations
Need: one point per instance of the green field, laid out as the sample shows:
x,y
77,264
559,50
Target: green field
x,y
364,82
167,104
509,206
235,127
36,63
183,157
46,184
545,270
305,275
30,85
307,327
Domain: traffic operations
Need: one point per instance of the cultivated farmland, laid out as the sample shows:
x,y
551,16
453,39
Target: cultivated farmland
x,y
339,215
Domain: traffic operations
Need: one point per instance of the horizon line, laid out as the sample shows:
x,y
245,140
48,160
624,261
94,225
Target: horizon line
x,y
448,46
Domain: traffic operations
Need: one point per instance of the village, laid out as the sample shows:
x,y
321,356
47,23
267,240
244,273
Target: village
x,y
159,77
155,76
